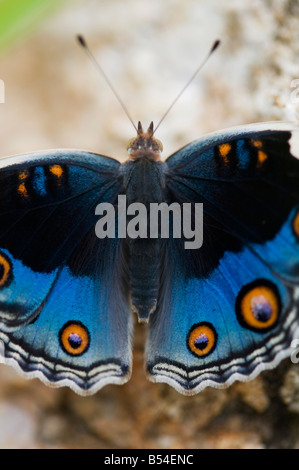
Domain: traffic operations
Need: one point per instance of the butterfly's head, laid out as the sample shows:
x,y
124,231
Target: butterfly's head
x,y
145,144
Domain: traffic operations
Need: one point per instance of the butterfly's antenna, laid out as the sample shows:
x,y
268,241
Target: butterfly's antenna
x,y
213,48
83,43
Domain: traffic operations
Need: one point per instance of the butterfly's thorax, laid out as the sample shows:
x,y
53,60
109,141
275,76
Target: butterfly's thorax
x,y
144,183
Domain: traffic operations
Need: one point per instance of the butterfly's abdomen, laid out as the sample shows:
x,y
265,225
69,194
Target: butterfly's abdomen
x,y
144,184
144,269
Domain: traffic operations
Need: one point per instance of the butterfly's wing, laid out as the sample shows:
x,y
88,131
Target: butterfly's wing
x,y
230,308
64,313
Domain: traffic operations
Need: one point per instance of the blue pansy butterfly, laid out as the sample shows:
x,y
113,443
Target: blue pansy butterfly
x,y
216,314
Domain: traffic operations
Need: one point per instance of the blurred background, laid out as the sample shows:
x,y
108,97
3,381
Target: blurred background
x,y
54,97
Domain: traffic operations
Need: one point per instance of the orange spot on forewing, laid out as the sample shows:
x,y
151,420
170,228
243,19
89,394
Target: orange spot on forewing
x,y
23,175
224,150
261,157
23,190
257,143
56,170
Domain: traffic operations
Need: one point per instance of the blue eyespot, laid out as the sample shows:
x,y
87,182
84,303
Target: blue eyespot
x,y
74,338
202,339
258,305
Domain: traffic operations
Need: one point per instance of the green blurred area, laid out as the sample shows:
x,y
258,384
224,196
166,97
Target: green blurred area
x,y
18,17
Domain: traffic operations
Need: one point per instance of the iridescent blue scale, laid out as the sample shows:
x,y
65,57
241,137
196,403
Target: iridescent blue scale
x,y
40,181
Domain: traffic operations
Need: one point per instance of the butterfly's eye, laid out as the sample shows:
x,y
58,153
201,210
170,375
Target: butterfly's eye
x,y
130,144
159,145
258,305
74,338
5,270
202,339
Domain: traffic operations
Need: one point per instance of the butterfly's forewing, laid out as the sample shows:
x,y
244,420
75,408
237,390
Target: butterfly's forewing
x,y
230,309
59,318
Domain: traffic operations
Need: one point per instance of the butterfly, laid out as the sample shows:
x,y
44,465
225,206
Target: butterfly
x,y
216,314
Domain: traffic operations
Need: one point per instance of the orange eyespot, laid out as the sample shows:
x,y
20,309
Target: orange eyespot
x,y
5,271
74,338
258,305
202,339
296,224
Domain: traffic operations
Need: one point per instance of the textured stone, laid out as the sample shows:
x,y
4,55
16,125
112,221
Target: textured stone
x,y
290,389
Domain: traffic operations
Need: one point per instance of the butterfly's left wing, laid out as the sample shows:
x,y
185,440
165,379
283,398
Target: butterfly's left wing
x,y
230,308
64,312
